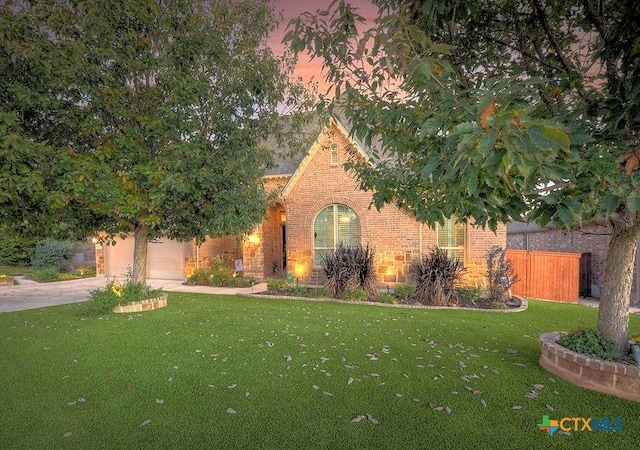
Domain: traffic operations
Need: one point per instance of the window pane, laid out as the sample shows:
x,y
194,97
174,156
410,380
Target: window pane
x,y
450,237
335,224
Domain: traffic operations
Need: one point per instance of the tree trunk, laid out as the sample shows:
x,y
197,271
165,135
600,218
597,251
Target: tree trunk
x,y
613,314
140,244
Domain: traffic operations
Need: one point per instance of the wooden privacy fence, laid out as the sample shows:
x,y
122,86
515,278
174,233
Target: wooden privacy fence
x,y
546,275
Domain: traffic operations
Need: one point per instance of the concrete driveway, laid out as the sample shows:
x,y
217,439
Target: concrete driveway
x,y
30,295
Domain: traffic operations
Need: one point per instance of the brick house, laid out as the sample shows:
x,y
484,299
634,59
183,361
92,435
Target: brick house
x,y
592,238
318,204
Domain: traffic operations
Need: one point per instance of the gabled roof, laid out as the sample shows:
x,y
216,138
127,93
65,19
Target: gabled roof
x,y
302,165
286,164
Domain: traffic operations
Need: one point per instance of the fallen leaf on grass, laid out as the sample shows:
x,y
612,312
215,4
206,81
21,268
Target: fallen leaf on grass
x,y
549,407
67,434
159,401
358,419
516,407
328,394
373,420
231,411
484,403
145,422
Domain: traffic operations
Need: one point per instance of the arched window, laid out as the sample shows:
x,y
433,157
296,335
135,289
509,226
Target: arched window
x,y
335,224
450,237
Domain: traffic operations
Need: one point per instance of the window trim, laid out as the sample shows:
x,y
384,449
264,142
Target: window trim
x,y
333,154
452,250
336,233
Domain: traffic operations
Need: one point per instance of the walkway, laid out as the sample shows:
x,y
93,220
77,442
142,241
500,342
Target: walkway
x,y
31,295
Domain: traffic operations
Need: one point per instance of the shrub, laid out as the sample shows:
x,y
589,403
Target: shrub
x,y
199,277
350,268
588,342
102,301
85,272
277,284
470,294
15,250
404,292
356,295
500,274
52,253
436,276
388,298
220,274
47,275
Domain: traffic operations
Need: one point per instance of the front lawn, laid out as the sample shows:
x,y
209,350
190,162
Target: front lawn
x,y
236,372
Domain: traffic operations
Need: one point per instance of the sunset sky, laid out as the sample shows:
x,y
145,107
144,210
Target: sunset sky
x,y
291,9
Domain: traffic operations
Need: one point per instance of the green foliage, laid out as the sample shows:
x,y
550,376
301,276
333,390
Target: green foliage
x,y
277,284
52,253
350,268
355,295
469,294
500,274
588,342
46,275
15,250
387,298
220,274
404,292
102,301
437,274
155,121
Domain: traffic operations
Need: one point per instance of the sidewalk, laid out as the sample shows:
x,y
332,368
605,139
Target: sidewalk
x,y
30,295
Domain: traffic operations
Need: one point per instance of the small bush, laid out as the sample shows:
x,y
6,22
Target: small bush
x,y
500,274
588,342
388,298
102,301
85,272
15,250
469,294
356,295
52,253
48,275
220,274
404,292
437,274
350,268
277,284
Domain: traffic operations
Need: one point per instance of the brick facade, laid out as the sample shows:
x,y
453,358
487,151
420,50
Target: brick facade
x,y
397,238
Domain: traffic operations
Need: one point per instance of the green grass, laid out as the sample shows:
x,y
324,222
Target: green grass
x,y
166,378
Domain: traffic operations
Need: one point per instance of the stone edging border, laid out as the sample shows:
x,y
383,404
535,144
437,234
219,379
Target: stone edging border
x,y
523,303
143,305
618,379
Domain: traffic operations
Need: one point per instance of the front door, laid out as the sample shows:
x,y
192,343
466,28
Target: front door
x,y
284,248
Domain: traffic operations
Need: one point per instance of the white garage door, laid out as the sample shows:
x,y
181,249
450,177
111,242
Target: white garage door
x,y
165,258
118,257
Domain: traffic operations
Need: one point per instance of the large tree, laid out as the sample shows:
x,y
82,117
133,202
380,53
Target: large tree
x,y
496,110
146,117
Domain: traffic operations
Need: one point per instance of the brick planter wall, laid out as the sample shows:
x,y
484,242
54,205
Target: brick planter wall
x,y
144,305
621,380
